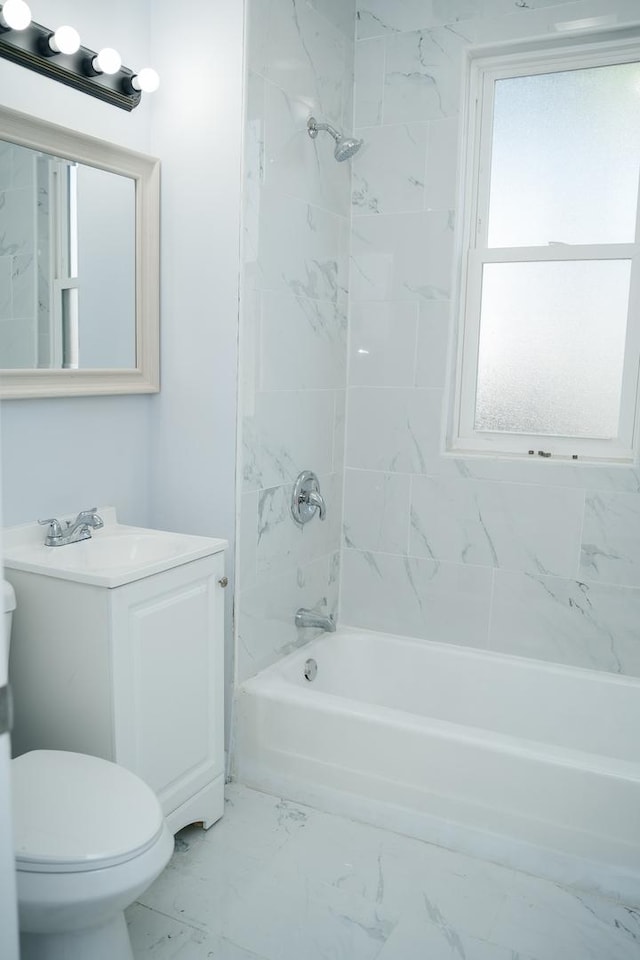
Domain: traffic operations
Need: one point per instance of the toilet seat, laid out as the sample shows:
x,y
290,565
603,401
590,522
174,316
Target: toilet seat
x,y
73,812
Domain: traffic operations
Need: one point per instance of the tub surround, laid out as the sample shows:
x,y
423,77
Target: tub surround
x,y
293,318
536,559
418,527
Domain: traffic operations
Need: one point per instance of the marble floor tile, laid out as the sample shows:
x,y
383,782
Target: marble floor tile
x,y
274,880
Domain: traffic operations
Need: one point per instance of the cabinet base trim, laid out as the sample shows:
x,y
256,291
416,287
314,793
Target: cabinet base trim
x,y
205,807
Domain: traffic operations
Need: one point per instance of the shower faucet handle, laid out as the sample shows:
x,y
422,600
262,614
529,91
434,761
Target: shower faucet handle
x,y
307,499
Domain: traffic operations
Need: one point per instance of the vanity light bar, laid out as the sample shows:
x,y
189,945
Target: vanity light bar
x,y
56,54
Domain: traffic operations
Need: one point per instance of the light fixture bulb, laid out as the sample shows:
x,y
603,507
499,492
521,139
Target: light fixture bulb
x,y
16,14
65,40
146,80
107,61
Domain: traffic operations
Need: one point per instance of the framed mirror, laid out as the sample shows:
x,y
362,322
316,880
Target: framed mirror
x,y
79,263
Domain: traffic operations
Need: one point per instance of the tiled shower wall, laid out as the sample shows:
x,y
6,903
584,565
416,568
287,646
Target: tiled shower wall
x,y
533,558
294,316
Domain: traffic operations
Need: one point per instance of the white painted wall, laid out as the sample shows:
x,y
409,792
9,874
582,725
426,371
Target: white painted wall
x,y
61,455
167,460
197,133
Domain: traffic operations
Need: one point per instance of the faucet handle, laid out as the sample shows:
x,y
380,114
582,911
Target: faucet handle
x,y
55,529
90,515
306,498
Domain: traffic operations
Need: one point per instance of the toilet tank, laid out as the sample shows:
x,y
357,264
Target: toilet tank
x,y
9,602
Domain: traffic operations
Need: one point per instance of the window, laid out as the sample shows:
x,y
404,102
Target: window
x,y
550,345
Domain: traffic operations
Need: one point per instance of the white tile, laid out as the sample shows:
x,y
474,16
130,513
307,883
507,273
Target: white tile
x,y
23,171
402,876
289,431
246,556
611,538
275,880
303,343
302,52
434,326
376,511
393,430
296,165
17,346
369,82
210,871
423,72
583,624
23,287
548,922
154,935
302,249
381,17
254,164
402,256
282,542
215,948
6,303
583,476
389,170
419,598
376,18
339,425
341,13
441,179
417,938
265,613
452,11
382,348
16,222
510,526
313,920
6,164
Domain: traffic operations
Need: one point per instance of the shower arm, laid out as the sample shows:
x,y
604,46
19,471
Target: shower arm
x,y
314,127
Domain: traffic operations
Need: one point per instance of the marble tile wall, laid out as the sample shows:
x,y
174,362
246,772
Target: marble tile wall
x,y
538,558
18,241
293,346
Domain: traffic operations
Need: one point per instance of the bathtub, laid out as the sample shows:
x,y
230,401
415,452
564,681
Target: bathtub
x,y
522,762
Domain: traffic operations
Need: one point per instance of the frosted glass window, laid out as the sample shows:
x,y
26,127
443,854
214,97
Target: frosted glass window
x,y
552,346
565,157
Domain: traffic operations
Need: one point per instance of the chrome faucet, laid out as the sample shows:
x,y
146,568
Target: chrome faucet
x,y
311,618
61,532
306,498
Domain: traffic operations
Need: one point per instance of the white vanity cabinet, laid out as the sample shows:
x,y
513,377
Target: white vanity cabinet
x,y
132,673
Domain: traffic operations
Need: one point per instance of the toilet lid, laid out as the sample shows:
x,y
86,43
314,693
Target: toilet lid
x,y
76,812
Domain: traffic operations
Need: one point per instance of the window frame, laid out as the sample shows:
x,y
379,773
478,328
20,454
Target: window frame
x,y
483,70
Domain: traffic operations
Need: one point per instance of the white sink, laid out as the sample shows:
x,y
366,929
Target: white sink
x,y
114,555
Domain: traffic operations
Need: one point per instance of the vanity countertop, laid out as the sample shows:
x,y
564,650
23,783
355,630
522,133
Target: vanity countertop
x,y
112,556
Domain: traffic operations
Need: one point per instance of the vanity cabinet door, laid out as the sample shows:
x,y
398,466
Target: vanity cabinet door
x,y
167,660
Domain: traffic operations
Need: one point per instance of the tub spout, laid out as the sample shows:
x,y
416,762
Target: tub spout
x,y
311,618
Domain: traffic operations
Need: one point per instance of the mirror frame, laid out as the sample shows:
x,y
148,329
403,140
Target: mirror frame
x,y
28,131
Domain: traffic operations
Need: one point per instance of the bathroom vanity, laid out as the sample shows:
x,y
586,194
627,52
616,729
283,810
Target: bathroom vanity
x,y
117,651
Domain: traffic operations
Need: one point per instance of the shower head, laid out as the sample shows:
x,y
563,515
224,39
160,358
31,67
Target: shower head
x,y
345,146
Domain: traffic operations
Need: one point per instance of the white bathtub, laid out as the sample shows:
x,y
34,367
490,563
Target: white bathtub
x,y
527,763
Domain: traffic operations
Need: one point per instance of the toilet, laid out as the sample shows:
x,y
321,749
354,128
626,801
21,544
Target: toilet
x,y
89,838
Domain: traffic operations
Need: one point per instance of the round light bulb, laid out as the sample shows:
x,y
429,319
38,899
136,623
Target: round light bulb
x,y
107,61
65,40
146,80
16,14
